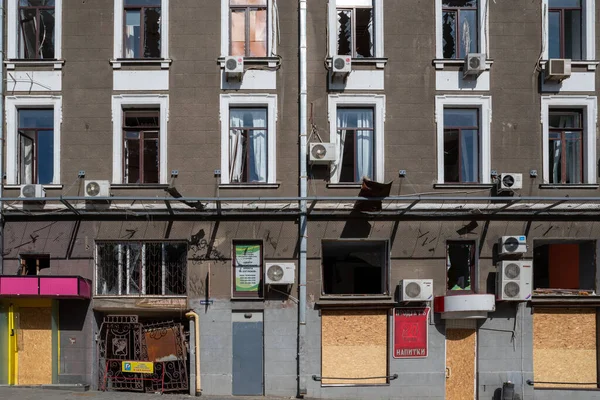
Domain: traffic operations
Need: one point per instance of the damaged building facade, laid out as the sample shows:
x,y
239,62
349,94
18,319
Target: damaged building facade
x,y
181,207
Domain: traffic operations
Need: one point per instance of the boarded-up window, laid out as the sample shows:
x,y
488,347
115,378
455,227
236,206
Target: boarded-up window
x,y
564,347
354,347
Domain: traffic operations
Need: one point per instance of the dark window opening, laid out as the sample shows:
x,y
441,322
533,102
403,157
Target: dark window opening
x,y
565,35
461,145
565,135
141,36
460,28
248,135
35,156
461,263
248,28
355,268
355,32
36,33
141,146
357,143
32,264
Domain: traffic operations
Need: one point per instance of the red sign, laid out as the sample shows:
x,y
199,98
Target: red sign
x,y
410,332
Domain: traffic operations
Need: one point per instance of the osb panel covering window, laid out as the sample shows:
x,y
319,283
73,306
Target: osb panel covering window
x,y
354,346
460,363
35,348
564,347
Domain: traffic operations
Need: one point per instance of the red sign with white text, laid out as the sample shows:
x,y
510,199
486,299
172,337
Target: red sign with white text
x,y
410,332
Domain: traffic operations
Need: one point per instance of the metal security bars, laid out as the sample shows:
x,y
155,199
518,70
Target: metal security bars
x,y
141,268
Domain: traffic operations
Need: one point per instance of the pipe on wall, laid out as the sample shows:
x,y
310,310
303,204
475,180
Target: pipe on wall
x,y
194,315
2,141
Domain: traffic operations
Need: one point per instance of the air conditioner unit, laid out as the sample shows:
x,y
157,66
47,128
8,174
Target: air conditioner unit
x,y
511,181
558,69
514,280
31,191
416,289
341,65
474,64
96,188
512,245
322,153
280,273
234,67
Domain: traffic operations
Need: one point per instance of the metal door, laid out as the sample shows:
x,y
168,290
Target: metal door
x,y
248,377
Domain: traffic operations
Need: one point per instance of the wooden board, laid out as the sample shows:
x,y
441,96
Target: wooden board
x,y
564,347
354,345
35,346
460,364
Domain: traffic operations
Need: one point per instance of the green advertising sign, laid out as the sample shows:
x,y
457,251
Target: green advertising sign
x,y
247,268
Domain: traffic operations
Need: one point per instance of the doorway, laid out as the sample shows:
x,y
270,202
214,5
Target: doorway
x,y
248,350
461,353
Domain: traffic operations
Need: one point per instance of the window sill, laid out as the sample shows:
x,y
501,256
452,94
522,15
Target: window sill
x,y
463,185
249,185
377,62
164,63
569,186
46,187
12,64
441,63
271,62
344,185
138,186
590,65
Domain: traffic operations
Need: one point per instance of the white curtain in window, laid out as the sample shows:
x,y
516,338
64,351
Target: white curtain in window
x,y
342,122
255,142
558,152
26,160
236,148
130,41
364,144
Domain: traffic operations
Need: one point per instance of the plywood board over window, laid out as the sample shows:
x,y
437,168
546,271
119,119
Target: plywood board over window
x,y
564,347
354,347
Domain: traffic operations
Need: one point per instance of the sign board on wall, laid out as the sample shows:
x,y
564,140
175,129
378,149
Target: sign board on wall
x,y
248,260
411,332
138,367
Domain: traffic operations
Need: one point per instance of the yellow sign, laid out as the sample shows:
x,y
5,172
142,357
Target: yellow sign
x,y
138,367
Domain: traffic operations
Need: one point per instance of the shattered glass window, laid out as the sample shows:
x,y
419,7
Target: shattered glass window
x,y
36,29
141,38
355,32
459,28
248,28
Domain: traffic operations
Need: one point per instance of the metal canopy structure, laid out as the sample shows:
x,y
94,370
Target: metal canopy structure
x,y
393,207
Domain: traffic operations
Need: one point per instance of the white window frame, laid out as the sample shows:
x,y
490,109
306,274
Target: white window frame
x,y
482,20
377,5
126,101
588,47
589,106
484,105
227,101
12,42
375,101
118,30
13,104
272,28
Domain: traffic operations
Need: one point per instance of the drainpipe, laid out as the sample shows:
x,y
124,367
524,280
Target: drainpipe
x,y
2,139
190,315
302,226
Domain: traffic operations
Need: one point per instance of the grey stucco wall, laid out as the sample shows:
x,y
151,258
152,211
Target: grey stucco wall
x,y
76,342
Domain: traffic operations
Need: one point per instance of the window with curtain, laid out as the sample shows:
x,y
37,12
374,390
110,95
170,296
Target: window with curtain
x,y
248,28
141,159
461,145
142,28
355,32
248,145
564,29
566,146
36,29
36,146
460,29
356,140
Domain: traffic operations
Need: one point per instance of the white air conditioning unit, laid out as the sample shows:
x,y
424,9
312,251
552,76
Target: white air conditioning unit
x,y
31,191
512,245
341,65
96,188
322,153
558,69
514,280
234,67
416,289
474,64
511,181
280,273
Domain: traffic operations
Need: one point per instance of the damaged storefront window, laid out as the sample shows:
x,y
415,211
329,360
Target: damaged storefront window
x,y
143,269
460,265
355,32
248,28
460,28
142,29
36,29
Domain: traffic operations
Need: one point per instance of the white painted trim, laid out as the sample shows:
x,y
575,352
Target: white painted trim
x,y
588,46
13,104
484,104
589,105
138,100
118,30
378,20
272,25
261,100
12,40
483,22
368,100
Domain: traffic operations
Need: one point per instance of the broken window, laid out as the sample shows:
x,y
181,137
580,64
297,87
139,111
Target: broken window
x,y
461,145
142,28
461,264
564,29
248,28
248,145
355,32
459,28
564,266
141,268
32,264
141,146
356,137
36,146
36,29
566,146
355,267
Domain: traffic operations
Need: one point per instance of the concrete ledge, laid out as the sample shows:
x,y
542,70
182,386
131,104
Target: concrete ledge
x,y
78,387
